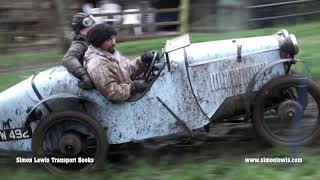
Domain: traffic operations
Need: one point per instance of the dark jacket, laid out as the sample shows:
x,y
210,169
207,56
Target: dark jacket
x,y
73,59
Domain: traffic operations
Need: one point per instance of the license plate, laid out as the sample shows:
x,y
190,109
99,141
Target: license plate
x,y
15,134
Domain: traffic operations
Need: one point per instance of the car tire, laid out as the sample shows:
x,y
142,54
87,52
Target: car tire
x,y
74,117
261,100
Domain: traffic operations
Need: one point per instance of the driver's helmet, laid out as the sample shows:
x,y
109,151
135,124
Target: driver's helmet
x,y
82,20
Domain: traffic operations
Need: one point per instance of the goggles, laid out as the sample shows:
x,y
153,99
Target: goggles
x,y
88,21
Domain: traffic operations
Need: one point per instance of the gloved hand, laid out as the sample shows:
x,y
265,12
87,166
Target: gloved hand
x,y
157,66
86,82
138,86
148,56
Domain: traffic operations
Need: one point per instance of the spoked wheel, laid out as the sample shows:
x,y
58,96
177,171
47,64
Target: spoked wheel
x,y
71,140
287,111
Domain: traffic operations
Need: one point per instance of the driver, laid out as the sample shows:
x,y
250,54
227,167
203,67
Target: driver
x,y
113,74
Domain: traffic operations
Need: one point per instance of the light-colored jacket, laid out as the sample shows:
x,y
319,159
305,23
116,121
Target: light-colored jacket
x,y
112,74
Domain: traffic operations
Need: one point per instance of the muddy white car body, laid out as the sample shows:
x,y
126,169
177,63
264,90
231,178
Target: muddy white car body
x,y
186,94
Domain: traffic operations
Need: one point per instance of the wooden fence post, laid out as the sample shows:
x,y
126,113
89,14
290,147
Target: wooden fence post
x,y
184,16
62,22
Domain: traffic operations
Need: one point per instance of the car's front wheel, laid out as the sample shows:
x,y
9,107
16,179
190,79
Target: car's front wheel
x,y
287,111
69,141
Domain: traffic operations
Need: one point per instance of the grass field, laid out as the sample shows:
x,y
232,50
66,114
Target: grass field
x,y
188,166
176,166
308,37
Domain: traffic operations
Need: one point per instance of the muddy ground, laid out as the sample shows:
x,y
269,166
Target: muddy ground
x,y
227,141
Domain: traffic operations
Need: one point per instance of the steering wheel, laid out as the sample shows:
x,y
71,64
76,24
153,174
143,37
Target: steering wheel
x,y
149,71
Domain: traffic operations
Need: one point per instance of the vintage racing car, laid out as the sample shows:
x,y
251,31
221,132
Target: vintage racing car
x,y
198,83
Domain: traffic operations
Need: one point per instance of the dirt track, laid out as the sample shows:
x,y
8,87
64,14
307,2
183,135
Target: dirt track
x,y
225,141
237,139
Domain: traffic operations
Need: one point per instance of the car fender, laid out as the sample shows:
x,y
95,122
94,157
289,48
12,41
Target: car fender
x,y
256,77
29,118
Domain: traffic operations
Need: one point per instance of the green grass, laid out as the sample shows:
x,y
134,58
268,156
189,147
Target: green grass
x,y
186,167
11,78
308,36
32,58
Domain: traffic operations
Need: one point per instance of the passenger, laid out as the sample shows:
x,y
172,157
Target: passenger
x,y
113,74
73,59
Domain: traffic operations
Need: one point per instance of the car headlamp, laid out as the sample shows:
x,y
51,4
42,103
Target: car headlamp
x,y
289,45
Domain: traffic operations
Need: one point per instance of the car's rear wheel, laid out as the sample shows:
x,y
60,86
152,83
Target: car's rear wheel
x,y
71,141
287,111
